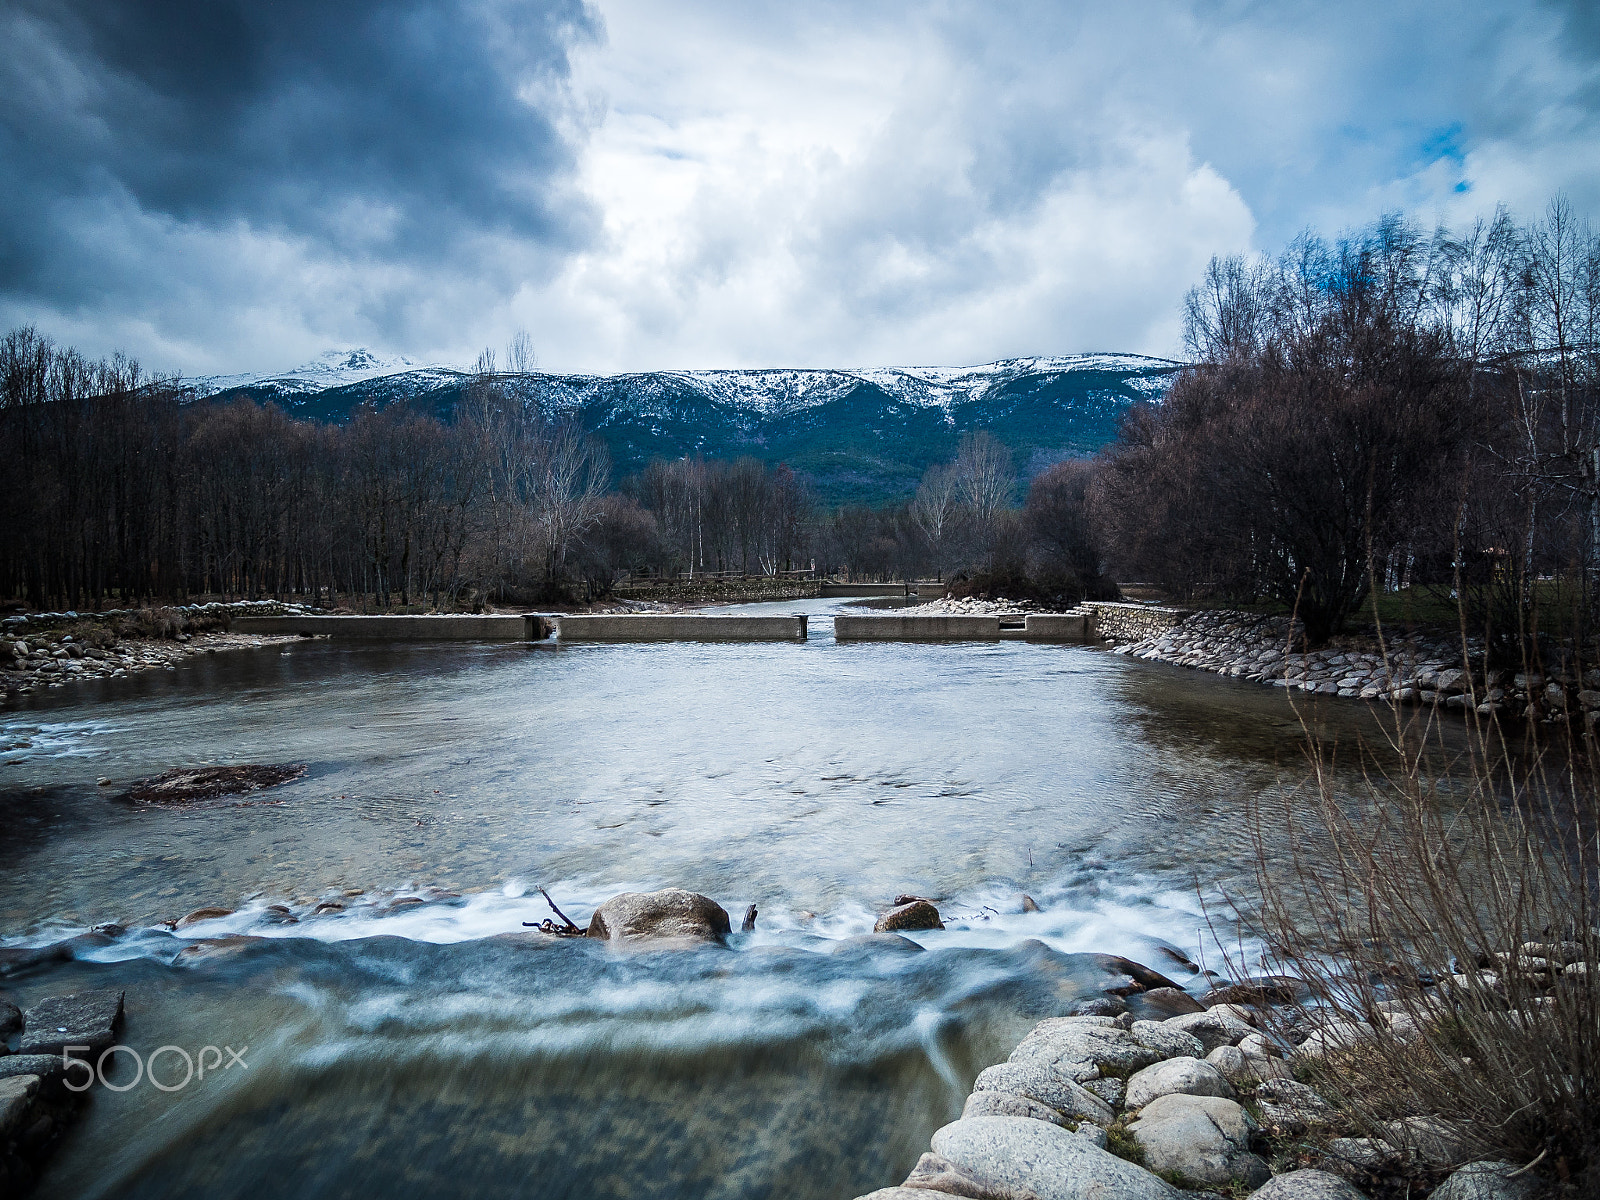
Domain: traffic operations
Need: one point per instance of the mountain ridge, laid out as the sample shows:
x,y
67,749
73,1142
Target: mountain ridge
x,y
862,435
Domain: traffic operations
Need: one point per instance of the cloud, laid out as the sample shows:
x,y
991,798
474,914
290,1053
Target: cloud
x,y
738,183
201,166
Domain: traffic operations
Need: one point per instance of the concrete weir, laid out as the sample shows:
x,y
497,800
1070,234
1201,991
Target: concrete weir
x,y
453,627
679,627
891,627
955,627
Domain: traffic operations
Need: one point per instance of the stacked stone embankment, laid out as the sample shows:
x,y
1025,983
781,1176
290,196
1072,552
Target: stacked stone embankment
x,y
1420,668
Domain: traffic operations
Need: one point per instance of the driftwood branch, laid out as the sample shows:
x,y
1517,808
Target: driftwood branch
x,y
570,929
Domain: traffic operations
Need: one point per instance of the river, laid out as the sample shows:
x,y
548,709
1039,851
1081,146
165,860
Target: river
x,y
437,1050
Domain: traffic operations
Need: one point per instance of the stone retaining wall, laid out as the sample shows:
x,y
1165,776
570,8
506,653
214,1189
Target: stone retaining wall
x,y
1117,622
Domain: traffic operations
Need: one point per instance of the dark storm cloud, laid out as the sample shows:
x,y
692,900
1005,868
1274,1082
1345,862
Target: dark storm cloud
x,y
400,131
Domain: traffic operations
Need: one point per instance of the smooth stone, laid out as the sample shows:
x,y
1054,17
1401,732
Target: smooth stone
x,y
90,1018
1307,1185
896,1193
1047,1087
1010,1104
1186,1076
1020,1159
1160,1004
202,914
1214,1028
1206,1138
1336,1036
913,915
670,914
1258,989
1238,1012
1489,1181
1167,1041
46,1066
1079,1047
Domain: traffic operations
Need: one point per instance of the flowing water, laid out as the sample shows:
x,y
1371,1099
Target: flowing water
x,y
437,1049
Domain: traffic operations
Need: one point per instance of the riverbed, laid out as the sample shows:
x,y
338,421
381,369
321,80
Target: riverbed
x,y
436,1049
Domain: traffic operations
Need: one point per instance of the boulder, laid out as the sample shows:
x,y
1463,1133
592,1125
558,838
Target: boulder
x,y
91,1019
1258,989
1047,1087
1012,1159
1238,1012
672,914
1188,1076
1159,1004
1291,1106
10,1019
1078,1047
16,1100
1359,1154
1205,1138
1010,1104
201,914
1489,1181
1307,1185
1213,1027
896,1193
1166,1041
917,914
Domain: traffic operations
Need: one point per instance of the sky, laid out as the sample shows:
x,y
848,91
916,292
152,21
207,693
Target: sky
x,y
219,186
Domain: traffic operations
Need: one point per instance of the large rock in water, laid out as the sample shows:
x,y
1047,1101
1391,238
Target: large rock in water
x,y
672,914
89,1019
1206,1138
1012,1158
915,914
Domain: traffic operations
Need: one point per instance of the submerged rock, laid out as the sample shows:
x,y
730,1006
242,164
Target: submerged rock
x,y
672,914
915,914
188,784
202,914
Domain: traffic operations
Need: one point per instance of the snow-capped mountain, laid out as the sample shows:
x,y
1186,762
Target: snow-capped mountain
x,y
859,434
330,369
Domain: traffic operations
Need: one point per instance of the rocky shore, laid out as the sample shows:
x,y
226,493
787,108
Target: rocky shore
x,y
1429,669
45,650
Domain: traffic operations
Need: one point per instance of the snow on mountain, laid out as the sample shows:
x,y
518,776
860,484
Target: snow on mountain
x,y
761,392
330,369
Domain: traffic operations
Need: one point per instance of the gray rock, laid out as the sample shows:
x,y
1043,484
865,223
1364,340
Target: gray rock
x,y
1016,1159
1091,1131
1166,1040
1434,1141
89,1019
1186,1076
1206,1138
1362,1154
1048,1087
45,1066
1112,1091
1160,1004
896,1193
1010,1104
16,1099
1079,1047
1307,1185
10,1019
672,914
1335,1036
1488,1181
917,914
1291,1106
1214,1028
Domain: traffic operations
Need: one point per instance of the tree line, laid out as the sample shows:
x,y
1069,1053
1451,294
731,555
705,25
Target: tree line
x,y
1388,410
124,488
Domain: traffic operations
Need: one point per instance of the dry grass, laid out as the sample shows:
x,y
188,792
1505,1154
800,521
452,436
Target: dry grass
x,y
1396,906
